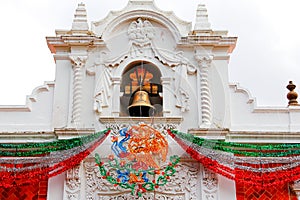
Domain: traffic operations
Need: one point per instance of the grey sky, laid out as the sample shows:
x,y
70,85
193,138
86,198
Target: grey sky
x,y
265,59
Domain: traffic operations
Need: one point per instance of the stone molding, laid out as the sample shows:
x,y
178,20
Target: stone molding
x,y
72,184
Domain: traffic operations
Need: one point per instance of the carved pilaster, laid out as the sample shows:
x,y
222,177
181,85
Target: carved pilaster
x,y
181,90
78,63
204,92
167,95
209,182
116,81
103,89
296,188
72,184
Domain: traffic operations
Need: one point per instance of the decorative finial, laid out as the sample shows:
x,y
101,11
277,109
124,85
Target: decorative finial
x,y
80,23
292,95
202,19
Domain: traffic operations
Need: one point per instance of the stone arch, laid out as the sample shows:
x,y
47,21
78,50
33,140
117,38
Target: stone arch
x,y
163,68
145,14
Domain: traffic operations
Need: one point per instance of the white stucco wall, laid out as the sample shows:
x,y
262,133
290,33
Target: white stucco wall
x,y
35,116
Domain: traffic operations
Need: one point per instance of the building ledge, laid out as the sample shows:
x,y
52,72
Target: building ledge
x,y
27,137
263,137
207,133
67,133
137,120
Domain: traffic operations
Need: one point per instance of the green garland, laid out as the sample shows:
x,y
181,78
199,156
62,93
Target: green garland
x,y
33,149
255,150
140,188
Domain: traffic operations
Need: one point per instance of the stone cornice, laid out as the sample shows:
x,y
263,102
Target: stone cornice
x,y
67,41
41,136
66,133
209,133
247,136
111,120
263,137
26,137
215,41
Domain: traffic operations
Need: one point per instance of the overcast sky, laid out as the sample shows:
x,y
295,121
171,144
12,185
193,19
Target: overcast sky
x,y
267,55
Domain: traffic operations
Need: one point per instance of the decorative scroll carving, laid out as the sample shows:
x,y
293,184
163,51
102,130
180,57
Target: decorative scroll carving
x,y
72,191
126,196
209,184
78,63
205,94
140,34
184,182
182,186
162,128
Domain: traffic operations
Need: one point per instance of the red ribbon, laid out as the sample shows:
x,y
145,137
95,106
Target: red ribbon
x,y
10,179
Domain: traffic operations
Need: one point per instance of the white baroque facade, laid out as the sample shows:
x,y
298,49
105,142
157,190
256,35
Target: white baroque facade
x,y
190,69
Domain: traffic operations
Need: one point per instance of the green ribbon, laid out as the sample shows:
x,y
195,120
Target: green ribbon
x,y
33,149
243,149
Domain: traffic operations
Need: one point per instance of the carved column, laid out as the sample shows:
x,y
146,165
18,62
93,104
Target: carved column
x,y
72,184
78,63
203,91
166,84
116,82
209,182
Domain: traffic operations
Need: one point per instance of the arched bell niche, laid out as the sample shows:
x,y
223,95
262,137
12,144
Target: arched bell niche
x,y
141,88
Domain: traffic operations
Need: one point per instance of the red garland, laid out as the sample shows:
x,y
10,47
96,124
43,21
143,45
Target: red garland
x,y
9,179
258,179
206,162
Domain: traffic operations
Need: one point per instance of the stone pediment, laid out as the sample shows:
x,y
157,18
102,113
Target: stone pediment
x,y
145,9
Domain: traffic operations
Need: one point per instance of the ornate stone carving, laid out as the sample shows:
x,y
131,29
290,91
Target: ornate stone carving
x,y
78,63
103,90
126,196
296,188
140,34
163,127
182,185
180,90
205,94
209,184
72,184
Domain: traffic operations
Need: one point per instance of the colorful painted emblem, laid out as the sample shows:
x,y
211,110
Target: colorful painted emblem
x,y
138,154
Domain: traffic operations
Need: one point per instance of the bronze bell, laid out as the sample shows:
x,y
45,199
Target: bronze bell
x,y
140,105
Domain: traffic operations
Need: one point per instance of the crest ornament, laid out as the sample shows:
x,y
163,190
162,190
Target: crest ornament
x,y
140,34
138,154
